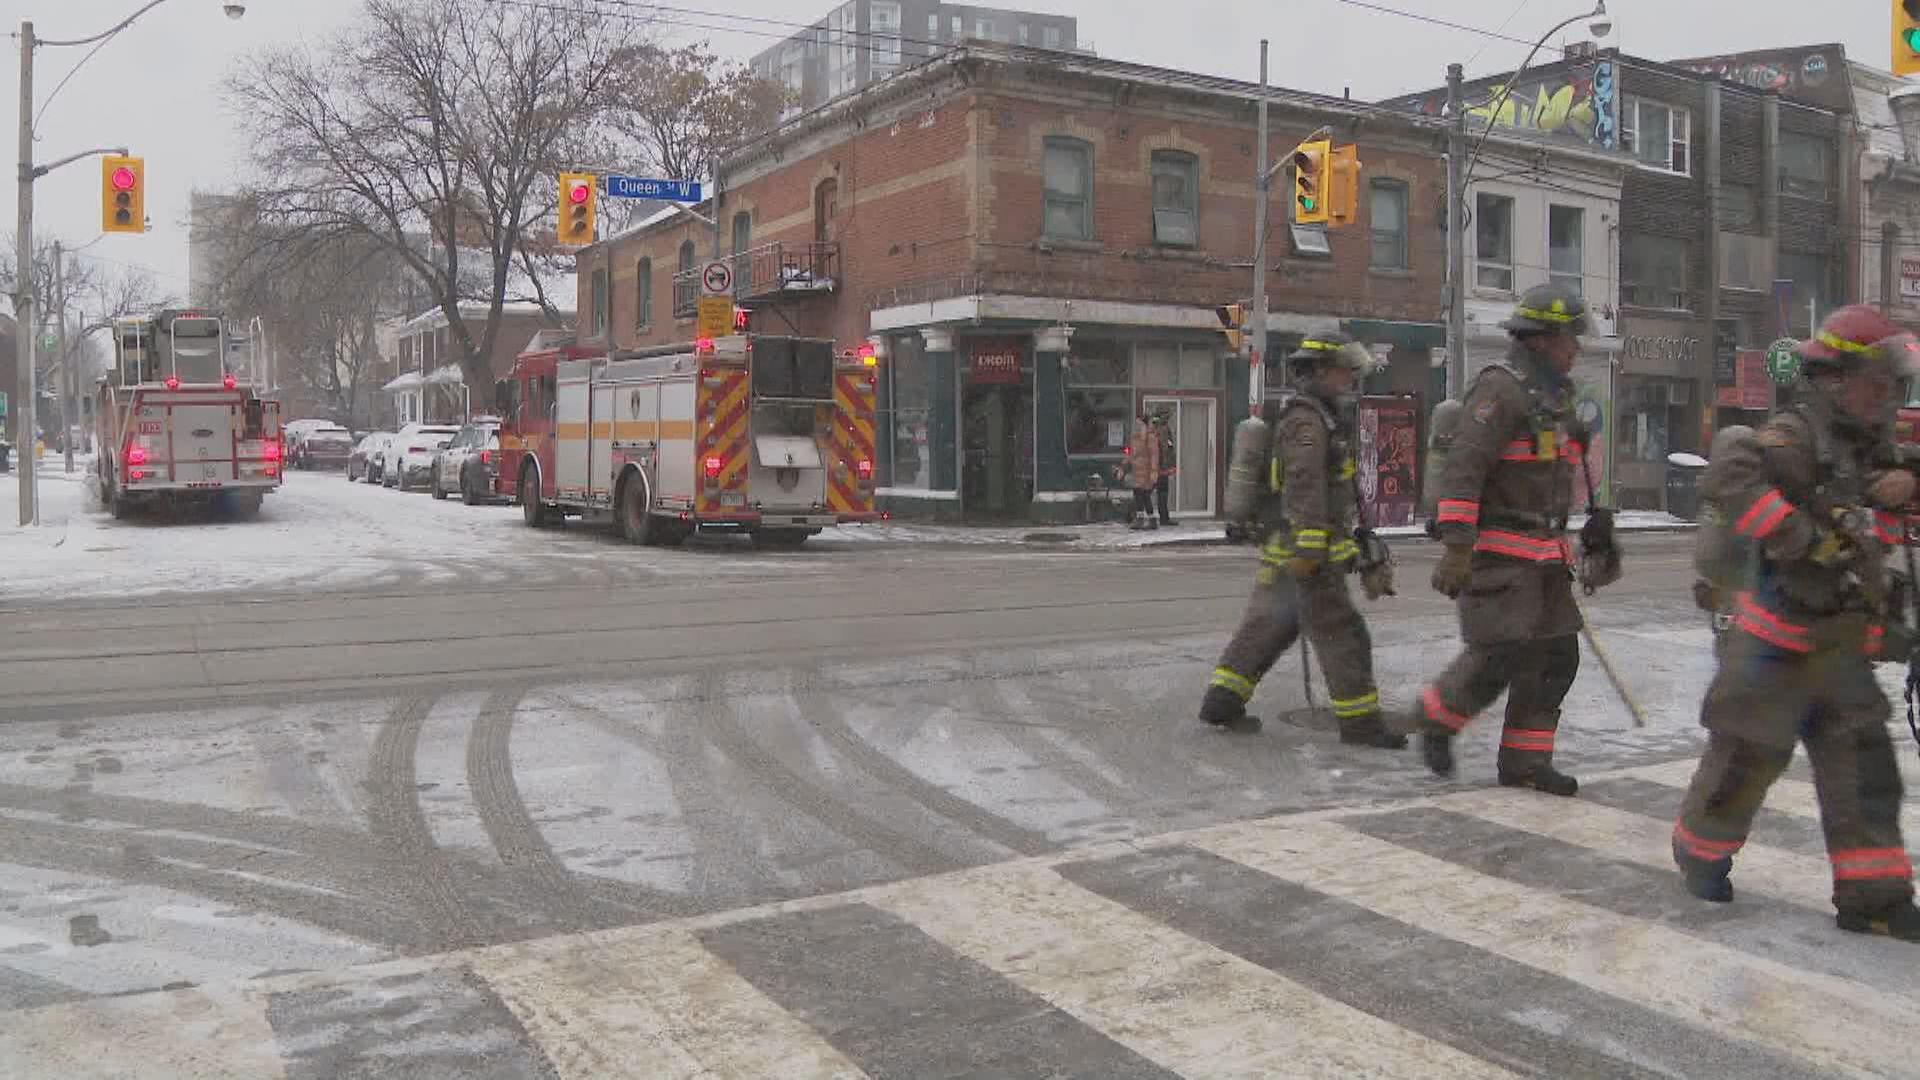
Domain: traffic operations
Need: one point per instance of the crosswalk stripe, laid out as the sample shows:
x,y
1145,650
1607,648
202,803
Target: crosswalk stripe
x,y
1832,1023
207,1034
604,1005
1798,879
1209,1013
1661,804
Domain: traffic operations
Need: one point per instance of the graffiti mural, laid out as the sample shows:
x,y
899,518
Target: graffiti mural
x,y
1576,102
1803,74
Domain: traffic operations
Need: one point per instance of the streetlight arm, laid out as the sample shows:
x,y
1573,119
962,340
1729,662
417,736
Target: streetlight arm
x,y
1506,91
1287,158
42,170
104,34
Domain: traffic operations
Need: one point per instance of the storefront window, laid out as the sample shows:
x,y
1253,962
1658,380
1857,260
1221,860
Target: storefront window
x,y
1166,366
1099,398
905,414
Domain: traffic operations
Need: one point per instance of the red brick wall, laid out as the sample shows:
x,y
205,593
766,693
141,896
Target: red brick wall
x,y
953,189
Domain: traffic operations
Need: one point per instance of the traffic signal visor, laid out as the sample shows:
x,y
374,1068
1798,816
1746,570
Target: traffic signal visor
x,y
576,209
1233,321
1310,160
123,194
1906,37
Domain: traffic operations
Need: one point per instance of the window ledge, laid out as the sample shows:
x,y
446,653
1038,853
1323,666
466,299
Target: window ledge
x,y
1172,253
1060,243
1655,310
1398,273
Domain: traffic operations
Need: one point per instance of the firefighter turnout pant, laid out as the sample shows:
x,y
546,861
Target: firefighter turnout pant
x,y
1280,608
1521,629
1760,701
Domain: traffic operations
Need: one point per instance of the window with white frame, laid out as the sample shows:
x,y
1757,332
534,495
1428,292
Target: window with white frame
x,y
1050,36
1387,221
1176,206
959,27
1025,30
599,302
1068,175
1657,135
883,20
983,29
1566,244
643,294
1493,241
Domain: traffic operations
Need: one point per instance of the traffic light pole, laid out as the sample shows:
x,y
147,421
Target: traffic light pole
x,y
23,283
1456,235
1263,183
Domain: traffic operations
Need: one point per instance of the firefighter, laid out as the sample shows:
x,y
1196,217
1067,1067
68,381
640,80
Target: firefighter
x,y
1501,512
1311,546
1806,496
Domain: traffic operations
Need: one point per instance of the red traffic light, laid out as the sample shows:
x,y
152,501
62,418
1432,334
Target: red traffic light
x,y
123,179
577,193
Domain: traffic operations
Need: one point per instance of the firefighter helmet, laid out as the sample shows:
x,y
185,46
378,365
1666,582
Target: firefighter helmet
x,y
1331,347
1858,334
1548,309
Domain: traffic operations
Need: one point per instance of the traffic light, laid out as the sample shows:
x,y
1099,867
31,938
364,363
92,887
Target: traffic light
x,y
1343,184
1310,161
576,209
1233,322
1906,37
123,194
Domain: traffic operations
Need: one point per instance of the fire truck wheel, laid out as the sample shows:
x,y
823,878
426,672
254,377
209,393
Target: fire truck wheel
x,y
531,508
633,514
119,505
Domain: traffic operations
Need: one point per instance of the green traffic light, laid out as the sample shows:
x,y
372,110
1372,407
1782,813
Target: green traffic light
x,y
1306,203
1910,37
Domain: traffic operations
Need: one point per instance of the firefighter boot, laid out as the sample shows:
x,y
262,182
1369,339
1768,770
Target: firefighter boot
x,y
1706,879
1370,730
1223,709
1900,920
1541,776
1437,748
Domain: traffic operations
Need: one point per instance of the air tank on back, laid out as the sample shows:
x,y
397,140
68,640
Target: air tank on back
x,y
1441,428
1247,470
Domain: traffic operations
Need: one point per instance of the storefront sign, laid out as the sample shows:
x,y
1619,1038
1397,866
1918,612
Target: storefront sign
x,y
1750,389
1910,279
1726,344
995,362
1783,363
1670,350
1387,461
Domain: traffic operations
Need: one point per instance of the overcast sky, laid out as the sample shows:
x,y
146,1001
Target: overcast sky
x,y
156,86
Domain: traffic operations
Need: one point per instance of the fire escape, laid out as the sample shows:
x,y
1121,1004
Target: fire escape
x,y
768,277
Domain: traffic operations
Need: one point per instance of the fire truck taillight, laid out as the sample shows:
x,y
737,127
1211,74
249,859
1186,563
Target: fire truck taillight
x,y
713,468
486,457
173,382
136,455
136,474
271,451
864,468
229,382
703,347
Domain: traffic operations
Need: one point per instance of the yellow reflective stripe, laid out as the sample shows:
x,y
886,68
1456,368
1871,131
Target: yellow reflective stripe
x,y
1347,469
1321,346
1545,316
1229,680
1273,478
1835,341
1311,538
1360,706
1344,550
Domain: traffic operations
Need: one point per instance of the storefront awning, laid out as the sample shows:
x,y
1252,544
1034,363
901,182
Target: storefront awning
x,y
1405,335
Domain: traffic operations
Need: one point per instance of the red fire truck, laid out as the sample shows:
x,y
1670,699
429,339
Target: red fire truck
x,y
757,433
175,425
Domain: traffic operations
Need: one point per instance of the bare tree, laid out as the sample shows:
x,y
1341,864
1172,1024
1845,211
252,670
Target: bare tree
x,y
686,107
443,117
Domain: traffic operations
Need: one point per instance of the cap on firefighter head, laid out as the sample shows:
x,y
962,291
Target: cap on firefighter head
x,y
1548,309
1859,334
1331,348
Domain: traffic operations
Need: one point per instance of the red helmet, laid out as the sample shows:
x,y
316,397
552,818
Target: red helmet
x,y
1859,333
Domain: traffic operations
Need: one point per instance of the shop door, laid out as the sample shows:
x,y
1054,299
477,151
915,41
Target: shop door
x,y
995,478
1191,492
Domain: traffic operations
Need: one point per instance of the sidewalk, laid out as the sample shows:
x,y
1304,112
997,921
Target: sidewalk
x,y
1114,536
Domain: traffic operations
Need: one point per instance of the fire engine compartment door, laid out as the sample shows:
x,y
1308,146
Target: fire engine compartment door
x,y
787,472
600,451
574,424
202,442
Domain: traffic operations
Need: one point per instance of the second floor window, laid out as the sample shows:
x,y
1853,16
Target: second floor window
x,y
599,302
1387,219
1493,242
643,294
1655,134
1804,165
1050,36
1067,171
1176,208
1566,244
1653,271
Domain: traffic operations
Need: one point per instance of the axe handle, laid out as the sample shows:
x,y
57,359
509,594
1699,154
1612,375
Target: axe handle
x,y
1613,674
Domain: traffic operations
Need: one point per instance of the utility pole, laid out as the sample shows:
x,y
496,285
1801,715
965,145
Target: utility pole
x,y
1262,184
23,299
65,353
1456,234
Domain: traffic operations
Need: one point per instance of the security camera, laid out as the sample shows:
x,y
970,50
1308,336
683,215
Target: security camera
x,y
234,11
1601,25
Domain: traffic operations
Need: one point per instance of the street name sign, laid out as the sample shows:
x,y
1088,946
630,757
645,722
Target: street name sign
x,y
645,187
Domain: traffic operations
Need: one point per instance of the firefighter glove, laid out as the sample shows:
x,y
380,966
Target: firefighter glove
x,y
1453,571
1708,597
1597,534
1377,581
1892,489
1599,569
1833,549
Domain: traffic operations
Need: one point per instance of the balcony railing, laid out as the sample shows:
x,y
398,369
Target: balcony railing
x,y
765,273
1655,296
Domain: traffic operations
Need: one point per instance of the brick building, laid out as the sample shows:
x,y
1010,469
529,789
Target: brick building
x,y
1731,220
1036,242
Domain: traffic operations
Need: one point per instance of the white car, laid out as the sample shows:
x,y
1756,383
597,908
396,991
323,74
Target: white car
x,y
408,460
470,464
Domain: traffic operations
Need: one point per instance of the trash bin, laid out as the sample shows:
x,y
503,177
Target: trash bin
x,y
6,456
1683,485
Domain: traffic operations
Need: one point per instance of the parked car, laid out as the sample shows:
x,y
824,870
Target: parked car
x,y
322,448
371,452
470,463
408,461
